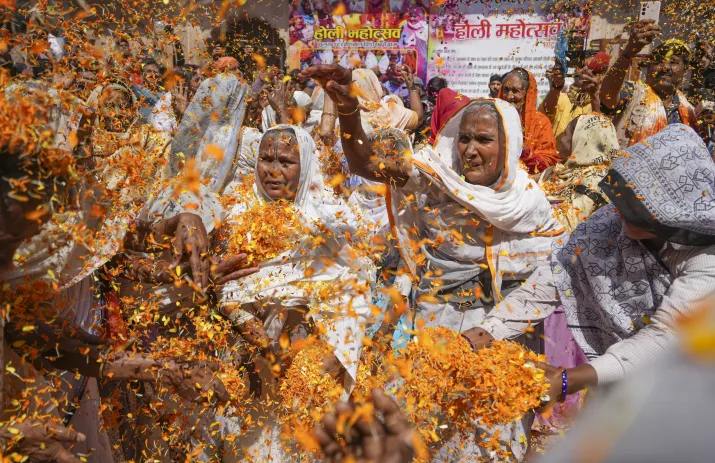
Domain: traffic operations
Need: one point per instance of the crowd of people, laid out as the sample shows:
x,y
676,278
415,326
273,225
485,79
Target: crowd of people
x,y
200,265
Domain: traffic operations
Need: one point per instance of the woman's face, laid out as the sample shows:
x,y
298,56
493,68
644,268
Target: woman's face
x,y
278,167
115,110
482,160
514,91
151,75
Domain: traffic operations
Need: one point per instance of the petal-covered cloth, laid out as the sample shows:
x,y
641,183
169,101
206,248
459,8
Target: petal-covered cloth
x,y
573,186
287,278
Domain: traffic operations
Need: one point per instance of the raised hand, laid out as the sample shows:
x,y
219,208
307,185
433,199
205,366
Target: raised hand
x,y
408,77
192,240
336,80
590,82
180,97
642,34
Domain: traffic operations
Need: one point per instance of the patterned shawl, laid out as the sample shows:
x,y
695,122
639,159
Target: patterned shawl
x,y
609,283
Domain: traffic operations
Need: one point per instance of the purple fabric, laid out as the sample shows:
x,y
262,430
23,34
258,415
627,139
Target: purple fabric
x,y
561,351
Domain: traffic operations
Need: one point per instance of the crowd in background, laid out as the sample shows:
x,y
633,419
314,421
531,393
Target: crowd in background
x,y
172,234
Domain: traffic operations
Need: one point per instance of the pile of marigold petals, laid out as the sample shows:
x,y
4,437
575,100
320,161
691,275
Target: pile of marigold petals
x,y
448,386
264,231
306,392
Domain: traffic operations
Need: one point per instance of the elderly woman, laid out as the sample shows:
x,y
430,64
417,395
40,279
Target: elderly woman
x,y
519,88
631,270
471,224
317,277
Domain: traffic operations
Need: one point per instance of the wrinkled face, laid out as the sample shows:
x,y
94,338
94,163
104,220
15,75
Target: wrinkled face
x,y
514,91
278,168
15,226
494,88
479,145
115,110
667,74
151,75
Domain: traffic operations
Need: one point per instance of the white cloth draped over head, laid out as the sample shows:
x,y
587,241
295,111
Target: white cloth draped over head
x,y
333,262
512,217
302,99
269,118
211,128
75,243
377,109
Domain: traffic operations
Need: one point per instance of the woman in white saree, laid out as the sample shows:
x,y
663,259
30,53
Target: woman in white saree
x,y
471,225
287,168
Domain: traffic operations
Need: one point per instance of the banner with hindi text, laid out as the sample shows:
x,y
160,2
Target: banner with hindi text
x,y
470,43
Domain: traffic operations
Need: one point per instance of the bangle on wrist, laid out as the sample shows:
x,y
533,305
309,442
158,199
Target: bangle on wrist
x,y
357,108
564,385
469,341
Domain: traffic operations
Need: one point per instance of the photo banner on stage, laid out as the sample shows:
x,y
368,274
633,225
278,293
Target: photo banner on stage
x,y
382,35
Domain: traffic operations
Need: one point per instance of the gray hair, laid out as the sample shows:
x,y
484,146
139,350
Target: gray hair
x,y
521,74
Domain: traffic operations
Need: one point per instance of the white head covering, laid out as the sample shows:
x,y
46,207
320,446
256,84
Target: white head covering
x,y
333,262
521,218
210,128
302,99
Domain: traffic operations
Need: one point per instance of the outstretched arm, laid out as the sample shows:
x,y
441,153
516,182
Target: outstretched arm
x,y
363,161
